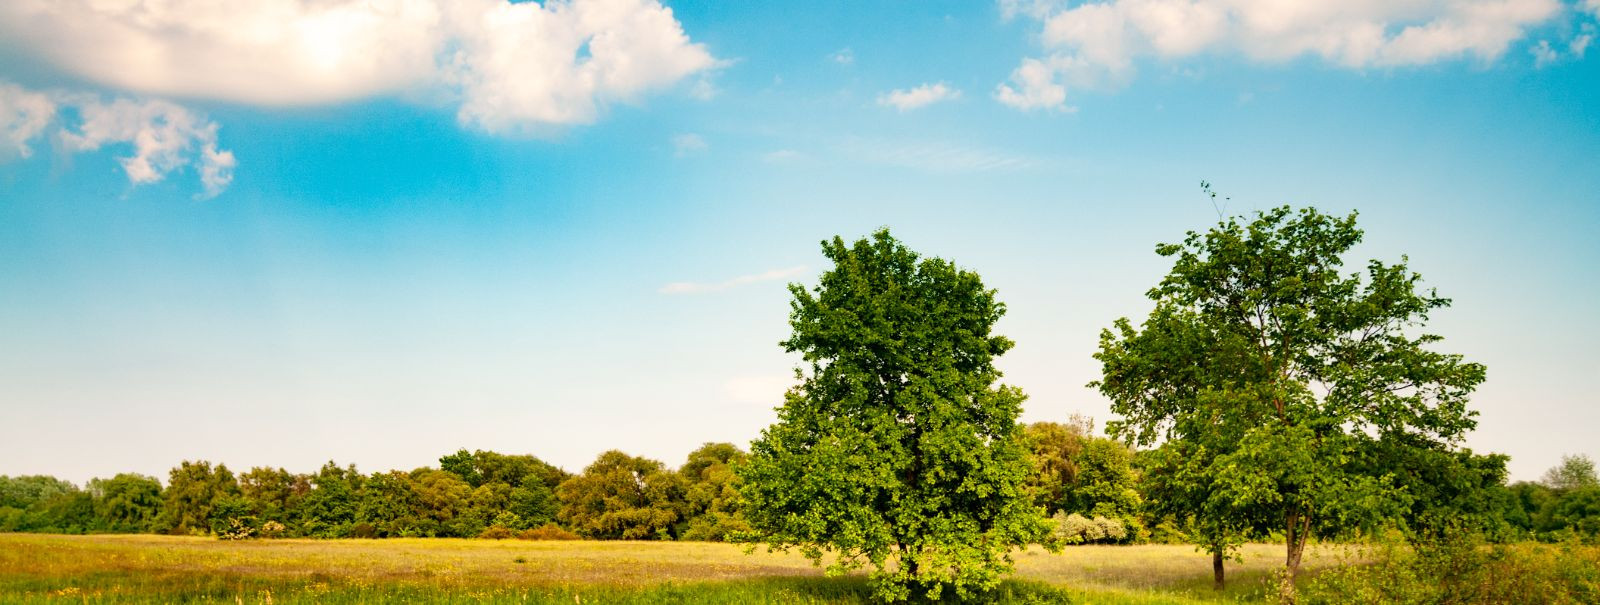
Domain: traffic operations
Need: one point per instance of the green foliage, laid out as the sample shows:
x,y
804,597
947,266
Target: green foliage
x,y
274,494
193,489
1077,472
329,509
1459,570
712,494
128,502
388,505
485,467
232,518
26,491
1576,511
1272,379
1575,472
897,451
441,505
1078,529
623,497
1448,490
1551,514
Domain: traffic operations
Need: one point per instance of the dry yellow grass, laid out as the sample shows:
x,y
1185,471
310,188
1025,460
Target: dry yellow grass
x,y
166,565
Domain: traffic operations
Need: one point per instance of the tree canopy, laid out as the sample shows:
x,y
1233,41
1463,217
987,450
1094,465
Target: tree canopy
x,y
1274,378
897,450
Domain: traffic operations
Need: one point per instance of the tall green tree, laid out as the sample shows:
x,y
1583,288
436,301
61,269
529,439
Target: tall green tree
x,y
1575,472
443,504
329,509
274,494
1078,472
712,493
1274,376
24,491
623,497
193,490
127,502
897,450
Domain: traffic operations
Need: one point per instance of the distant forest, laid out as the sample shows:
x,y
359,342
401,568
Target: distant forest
x,y
1091,486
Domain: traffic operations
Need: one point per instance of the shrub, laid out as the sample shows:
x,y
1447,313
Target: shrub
x,y
236,529
1078,529
1462,570
548,531
495,532
272,529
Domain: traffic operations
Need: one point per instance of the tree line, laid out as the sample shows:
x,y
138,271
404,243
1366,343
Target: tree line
x,y
1268,395
470,494
1097,490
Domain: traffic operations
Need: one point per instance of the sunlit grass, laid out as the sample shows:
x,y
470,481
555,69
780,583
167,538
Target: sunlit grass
x,y
122,568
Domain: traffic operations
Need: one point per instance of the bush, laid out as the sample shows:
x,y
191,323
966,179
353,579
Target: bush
x,y
272,529
236,529
495,532
1078,529
715,527
1462,570
548,531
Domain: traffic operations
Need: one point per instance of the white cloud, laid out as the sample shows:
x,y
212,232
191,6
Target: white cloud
x,y
687,143
513,67
1594,7
1097,43
701,287
1036,87
921,96
704,90
164,136
1542,54
1580,45
23,115
843,56
1037,9
782,156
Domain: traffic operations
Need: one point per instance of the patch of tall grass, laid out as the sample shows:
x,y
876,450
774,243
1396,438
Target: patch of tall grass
x,y
1464,571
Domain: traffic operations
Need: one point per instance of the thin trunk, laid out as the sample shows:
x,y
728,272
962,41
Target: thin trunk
x,y
1298,526
1216,568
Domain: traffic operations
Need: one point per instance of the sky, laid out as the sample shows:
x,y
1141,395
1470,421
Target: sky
x,y
283,232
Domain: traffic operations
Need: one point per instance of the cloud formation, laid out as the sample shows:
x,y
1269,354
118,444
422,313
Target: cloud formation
x,y
1096,44
921,96
23,115
511,67
164,137
687,143
702,287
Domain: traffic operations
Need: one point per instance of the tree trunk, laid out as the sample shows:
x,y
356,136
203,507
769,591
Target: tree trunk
x,y
1216,569
1298,527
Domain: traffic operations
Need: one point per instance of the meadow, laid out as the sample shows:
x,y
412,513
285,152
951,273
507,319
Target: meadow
x,y
39,568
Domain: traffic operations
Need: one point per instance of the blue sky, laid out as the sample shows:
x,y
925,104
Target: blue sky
x,y
275,236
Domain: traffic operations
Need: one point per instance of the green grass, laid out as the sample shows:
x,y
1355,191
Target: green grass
x,y
38,568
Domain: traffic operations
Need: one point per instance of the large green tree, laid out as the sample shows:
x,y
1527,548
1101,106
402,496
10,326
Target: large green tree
x,y
193,491
127,502
1575,472
712,493
1275,378
897,450
623,497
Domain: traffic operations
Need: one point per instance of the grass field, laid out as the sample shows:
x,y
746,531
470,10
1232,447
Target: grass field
x,y
149,569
